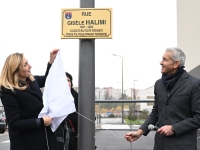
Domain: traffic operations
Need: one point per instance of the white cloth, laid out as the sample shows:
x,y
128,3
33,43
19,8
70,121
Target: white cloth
x,y
57,98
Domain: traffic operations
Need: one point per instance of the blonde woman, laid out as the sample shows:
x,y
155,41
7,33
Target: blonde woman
x,y
22,100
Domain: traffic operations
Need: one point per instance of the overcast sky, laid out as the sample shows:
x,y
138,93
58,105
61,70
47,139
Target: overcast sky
x,y
142,30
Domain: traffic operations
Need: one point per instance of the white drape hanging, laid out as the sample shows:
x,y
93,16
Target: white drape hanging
x,y
57,98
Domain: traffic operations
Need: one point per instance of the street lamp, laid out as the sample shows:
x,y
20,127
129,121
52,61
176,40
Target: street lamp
x,y
134,89
99,103
122,86
134,97
99,109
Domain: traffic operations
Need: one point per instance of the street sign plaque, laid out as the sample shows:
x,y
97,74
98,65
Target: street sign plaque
x,y
86,23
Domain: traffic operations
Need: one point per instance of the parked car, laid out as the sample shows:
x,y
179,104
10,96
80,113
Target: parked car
x,y
2,125
107,114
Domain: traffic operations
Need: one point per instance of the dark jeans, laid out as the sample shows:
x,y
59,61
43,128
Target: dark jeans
x,y
73,142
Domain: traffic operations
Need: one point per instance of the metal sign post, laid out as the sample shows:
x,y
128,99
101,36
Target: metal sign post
x,y
86,103
86,24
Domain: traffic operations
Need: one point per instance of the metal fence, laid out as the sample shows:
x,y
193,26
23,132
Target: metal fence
x,y
124,112
110,129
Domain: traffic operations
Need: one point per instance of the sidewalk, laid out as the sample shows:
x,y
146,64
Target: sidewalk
x,y
119,127
114,140
111,137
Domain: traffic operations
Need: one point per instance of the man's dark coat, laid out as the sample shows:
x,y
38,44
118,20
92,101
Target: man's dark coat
x,y
181,109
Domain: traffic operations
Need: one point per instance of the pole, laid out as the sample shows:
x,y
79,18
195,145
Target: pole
x,y
122,86
122,91
86,103
134,98
134,89
99,104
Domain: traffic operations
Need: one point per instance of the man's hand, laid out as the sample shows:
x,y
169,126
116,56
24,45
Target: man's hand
x,y
166,130
132,136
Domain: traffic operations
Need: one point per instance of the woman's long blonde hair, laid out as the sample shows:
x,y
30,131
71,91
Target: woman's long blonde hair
x,y
9,78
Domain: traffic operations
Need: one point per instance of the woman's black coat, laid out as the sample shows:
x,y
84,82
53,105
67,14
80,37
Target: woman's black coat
x,y
22,107
67,138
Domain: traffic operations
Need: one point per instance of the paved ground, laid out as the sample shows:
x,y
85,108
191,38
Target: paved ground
x,y
113,140
110,137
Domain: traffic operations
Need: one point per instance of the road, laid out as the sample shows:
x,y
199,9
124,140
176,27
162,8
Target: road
x,y
108,139
110,136
4,141
111,139
111,120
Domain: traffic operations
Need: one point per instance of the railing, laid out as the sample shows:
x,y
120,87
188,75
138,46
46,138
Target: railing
x,y
99,115
123,101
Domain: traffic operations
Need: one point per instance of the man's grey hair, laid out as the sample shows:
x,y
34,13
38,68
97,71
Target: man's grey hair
x,y
178,55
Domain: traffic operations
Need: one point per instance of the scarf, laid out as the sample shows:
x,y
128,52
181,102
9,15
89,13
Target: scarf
x,y
33,85
170,80
22,83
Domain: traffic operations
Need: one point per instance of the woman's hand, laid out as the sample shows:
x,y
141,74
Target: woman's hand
x,y
53,55
47,120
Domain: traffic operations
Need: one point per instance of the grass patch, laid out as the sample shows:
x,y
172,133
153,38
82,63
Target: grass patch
x,y
136,122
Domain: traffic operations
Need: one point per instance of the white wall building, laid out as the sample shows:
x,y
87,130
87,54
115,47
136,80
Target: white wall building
x,y
100,94
188,39
145,94
129,93
114,93
188,33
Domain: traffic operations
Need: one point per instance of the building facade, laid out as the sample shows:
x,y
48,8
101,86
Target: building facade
x,y
188,33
